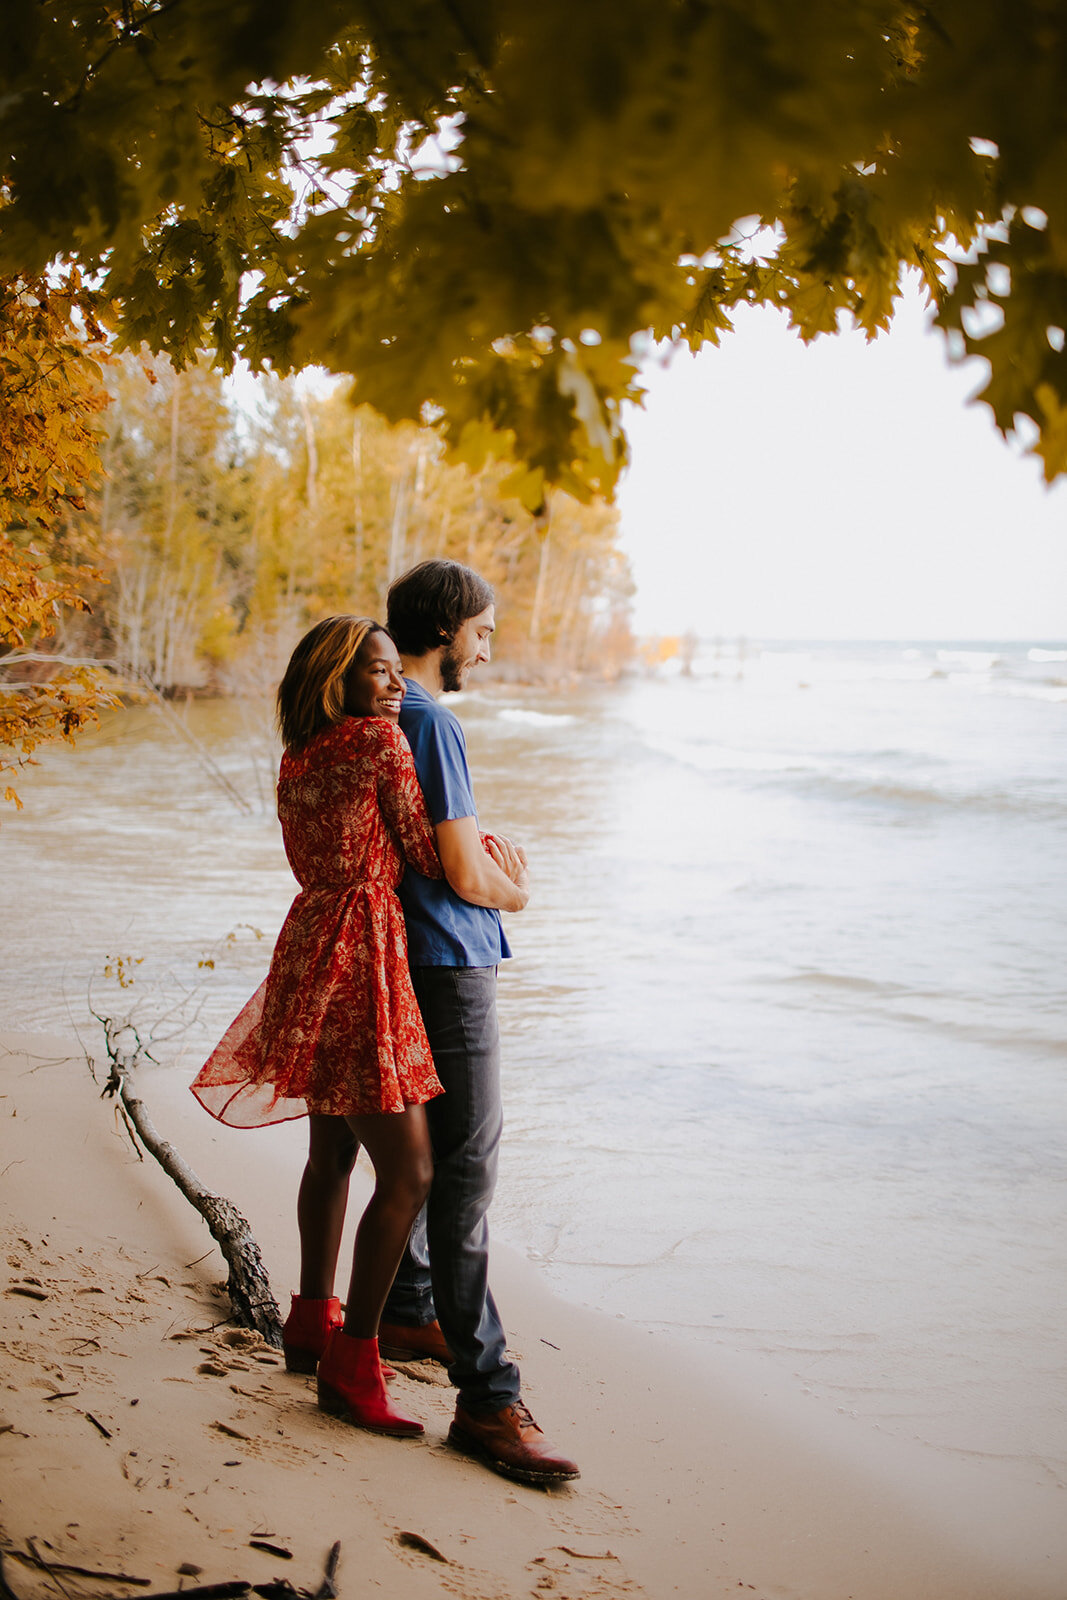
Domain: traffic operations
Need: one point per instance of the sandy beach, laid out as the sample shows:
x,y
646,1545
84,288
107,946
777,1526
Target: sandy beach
x,y
145,1438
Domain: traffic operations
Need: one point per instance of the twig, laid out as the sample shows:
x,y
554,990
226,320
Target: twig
x,y
43,658
233,1590
126,1123
6,1591
205,1591
327,1589
45,1566
36,1560
212,768
415,1541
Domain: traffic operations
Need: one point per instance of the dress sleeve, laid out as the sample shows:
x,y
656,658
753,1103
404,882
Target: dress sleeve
x,y
402,803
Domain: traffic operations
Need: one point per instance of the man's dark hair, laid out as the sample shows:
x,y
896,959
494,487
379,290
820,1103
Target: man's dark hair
x,y
428,604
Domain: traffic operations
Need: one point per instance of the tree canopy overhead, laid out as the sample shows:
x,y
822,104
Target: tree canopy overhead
x,y
475,206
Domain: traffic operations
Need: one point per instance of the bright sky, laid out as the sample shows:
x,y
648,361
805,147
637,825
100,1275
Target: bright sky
x,y
843,490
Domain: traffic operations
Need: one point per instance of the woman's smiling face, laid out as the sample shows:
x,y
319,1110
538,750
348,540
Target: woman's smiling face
x,y
373,685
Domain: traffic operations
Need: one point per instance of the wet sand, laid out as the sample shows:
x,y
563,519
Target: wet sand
x,y
143,1434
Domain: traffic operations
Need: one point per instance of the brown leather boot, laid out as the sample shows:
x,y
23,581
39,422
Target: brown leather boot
x,y
351,1386
398,1342
512,1444
307,1327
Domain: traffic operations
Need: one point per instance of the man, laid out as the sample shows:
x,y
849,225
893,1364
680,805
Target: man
x,y
442,616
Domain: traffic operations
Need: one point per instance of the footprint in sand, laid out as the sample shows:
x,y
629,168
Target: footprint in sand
x,y
589,1571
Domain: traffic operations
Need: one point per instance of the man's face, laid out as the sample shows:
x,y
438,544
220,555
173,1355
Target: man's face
x,y
470,645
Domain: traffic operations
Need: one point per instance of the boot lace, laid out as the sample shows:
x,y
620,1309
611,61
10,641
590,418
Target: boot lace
x,y
522,1413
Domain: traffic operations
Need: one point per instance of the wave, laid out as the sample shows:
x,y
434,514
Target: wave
x,y
980,665
973,660
535,719
1052,690
850,980
904,1004
888,790
839,778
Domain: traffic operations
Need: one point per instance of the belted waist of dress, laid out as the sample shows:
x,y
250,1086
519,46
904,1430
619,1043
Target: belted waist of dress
x,y
346,886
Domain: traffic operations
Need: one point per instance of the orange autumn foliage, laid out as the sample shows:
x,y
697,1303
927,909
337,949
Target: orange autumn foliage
x,y
51,354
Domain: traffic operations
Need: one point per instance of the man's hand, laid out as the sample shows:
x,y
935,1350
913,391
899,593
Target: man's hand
x,y
477,870
510,858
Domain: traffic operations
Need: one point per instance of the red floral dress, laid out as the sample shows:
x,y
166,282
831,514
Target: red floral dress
x,y
335,1027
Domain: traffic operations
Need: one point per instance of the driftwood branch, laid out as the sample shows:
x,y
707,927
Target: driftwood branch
x,y
248,1286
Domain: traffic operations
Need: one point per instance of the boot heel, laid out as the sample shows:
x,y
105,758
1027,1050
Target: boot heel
x,y
307,1328
350,1386
302,1361
335,1405
331,1402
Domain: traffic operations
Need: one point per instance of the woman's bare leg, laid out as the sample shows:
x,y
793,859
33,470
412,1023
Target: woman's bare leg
x,y
320,1207
398,1144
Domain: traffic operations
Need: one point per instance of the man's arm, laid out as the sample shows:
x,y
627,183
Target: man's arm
x,y
473,873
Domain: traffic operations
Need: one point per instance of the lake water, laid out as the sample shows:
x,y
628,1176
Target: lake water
x,y
785,1044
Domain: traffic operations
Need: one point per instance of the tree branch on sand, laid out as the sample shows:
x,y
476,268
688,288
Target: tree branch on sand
x,y
248,1285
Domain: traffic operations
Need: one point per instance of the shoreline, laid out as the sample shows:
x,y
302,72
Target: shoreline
x,y
702,1472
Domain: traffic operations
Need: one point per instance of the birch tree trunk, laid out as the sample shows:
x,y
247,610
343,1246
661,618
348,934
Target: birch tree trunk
x,y
542,584
357,500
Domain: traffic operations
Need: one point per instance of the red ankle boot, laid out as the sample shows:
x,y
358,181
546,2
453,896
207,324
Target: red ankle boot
x,y
351,1386
307,1328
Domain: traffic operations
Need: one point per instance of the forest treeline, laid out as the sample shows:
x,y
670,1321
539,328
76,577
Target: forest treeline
x,y
220,531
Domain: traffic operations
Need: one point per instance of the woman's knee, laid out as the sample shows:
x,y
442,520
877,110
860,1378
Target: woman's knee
x,y
332,1149
399,1147
407,1185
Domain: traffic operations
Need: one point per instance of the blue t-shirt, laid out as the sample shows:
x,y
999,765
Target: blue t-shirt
x,y
443,930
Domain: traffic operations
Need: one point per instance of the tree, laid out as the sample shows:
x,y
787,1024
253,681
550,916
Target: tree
x,y
475,208
50,354
173,518
223,534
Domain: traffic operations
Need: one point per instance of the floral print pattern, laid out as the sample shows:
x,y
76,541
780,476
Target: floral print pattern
x,y
335,1027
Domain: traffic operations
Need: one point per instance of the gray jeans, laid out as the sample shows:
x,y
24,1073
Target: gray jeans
x,y
445,1270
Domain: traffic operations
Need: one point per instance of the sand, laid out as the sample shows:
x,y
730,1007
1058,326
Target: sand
x,y
143,1435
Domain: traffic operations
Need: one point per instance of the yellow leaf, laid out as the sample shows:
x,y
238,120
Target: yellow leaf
x,y
527,485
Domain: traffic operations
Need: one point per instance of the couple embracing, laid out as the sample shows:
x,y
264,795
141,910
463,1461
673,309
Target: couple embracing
x,y
378,1017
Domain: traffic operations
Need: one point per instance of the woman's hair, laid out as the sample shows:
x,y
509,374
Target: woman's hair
x,y
311,696
429,603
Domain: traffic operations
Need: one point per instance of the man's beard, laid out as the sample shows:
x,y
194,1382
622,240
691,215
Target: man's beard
x,y
452,664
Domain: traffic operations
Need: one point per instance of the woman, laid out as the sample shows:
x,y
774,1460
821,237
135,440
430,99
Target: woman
x,y
334,1032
